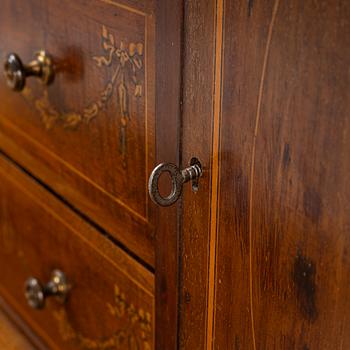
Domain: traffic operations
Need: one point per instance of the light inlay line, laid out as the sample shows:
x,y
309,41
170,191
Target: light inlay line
x,y
214,210
252,168
125,7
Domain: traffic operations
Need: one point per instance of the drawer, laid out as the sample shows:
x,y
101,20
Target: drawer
x,y
90,134
110,303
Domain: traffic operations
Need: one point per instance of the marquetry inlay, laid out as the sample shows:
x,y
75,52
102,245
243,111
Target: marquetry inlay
x,y
125,61
136,332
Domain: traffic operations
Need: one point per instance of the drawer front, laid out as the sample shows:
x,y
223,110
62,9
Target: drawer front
x,y
90,134
110,303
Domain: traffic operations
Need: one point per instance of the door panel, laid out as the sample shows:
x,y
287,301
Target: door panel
x,y
282,261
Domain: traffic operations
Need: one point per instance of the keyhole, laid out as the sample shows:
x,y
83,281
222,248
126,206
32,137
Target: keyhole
x,y
195,182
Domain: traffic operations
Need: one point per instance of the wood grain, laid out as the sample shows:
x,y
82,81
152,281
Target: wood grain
x,y
282,261
198,130
10,337
39,234
168,125
258,91
83,165
93,130
22,326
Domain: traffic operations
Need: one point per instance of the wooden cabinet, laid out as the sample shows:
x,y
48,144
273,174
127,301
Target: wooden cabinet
x,y
255,256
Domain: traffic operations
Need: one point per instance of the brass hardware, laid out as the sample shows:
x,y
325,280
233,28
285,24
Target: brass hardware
x,y
178,178
36,293
16,72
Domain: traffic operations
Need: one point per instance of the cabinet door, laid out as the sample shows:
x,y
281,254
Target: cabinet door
x,y
265,261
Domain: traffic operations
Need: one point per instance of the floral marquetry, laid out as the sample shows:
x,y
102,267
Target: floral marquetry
x,y
136,333
126,64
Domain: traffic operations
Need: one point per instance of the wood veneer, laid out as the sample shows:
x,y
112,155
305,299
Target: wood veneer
x,y
111,300
93,130
270,270
10,337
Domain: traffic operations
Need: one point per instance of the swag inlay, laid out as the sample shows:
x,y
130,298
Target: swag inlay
x,y
126,64
135,334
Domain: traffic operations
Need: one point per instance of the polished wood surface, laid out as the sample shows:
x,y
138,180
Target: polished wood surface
x,y
169,35
91,134
111,301
265,260
10,337
22,325
258,91
80,161
283,276
197,141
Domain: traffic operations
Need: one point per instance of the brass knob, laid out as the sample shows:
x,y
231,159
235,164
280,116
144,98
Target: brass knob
x,y
36,293
16,72
178,179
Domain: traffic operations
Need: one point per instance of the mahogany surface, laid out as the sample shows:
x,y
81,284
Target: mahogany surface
x,y
111,300
169,35
258,91
273,271
283,263
10,337
197,138
92,132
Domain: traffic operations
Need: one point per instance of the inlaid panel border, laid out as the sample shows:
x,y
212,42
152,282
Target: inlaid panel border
x,y
125,7
215,170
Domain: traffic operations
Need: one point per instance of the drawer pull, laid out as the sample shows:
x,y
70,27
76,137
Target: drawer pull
x,y
16,72
36,293
178,178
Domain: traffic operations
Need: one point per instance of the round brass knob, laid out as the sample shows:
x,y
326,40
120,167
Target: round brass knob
x,y
16,72
36,293
178,178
